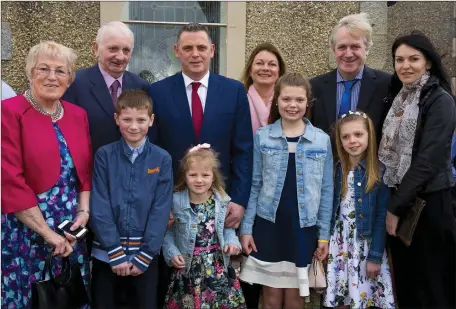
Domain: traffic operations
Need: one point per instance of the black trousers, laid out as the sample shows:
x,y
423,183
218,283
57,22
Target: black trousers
x,y
425,272
164,274
106,285
251,294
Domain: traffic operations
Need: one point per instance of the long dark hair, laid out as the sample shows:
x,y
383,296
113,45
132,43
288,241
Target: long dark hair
x,y
418,40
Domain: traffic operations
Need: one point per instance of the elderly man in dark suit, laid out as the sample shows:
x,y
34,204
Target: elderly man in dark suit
x,y
196,106
96,88
353,85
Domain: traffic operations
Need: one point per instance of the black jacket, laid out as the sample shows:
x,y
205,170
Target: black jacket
x,y
430,169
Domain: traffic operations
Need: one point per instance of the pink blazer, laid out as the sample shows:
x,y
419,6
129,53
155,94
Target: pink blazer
x,y
30,152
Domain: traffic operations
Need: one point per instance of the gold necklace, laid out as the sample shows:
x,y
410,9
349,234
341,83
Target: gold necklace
x,y
54,116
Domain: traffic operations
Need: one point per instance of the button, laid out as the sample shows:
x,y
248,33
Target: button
x,y
302,190
302,206
361,216
360,200
192,241
299,172
193,225
300,156
359,184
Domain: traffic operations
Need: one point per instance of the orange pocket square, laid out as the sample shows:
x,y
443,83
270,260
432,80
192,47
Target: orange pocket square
x,y
154,170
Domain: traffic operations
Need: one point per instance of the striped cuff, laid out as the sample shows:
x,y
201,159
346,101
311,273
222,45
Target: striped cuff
x,y
117,256
142,260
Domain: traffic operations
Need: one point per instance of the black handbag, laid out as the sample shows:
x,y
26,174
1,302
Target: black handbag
x,y
65,291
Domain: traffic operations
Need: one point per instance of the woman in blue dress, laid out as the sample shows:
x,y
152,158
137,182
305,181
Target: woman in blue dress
x,y
46,174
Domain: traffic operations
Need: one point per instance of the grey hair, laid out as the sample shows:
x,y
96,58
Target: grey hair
x,y
358,25
114,27
53,50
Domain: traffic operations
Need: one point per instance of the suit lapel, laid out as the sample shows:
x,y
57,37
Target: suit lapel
x,y
367,88
212,104
330,97
180,99
100,91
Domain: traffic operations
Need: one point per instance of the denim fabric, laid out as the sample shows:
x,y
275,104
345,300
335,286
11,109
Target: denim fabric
x,y
180,238
314,174
370,209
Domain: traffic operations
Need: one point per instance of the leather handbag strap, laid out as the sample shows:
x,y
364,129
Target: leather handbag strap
x,y
48,268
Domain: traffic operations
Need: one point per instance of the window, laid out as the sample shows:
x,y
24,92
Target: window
x,y
156,23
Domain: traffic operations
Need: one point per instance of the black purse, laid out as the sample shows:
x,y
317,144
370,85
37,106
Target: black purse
x,y
65,291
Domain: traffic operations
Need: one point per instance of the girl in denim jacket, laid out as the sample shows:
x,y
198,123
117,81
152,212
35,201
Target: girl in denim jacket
x,y
198,245
358,273
290,203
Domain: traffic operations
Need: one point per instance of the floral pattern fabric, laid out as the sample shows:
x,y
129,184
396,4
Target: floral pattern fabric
x,y
24,252
346,274
207,285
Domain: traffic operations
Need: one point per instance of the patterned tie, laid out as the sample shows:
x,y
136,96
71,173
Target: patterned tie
x,y
114,88
197,109
345,103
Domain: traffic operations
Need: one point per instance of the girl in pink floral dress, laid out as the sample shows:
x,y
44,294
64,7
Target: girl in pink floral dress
x,y
198,245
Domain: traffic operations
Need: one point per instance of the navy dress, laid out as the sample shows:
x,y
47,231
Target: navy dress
x,y
282,246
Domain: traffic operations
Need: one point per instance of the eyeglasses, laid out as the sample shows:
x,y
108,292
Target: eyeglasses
x,y
46,71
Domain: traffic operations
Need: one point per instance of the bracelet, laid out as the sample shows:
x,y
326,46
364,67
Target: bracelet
x,y
83,211
323,241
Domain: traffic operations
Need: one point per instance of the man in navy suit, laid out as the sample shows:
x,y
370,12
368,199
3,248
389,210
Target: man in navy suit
x,y
196,106
96,88
353,85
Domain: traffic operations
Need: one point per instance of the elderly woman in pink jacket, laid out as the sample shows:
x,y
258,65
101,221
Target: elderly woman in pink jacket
x,y
264,66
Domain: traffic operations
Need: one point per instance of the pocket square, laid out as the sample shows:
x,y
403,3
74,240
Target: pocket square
x,y
154,170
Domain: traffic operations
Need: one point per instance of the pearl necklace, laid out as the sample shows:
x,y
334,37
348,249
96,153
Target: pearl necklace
x,y
54,116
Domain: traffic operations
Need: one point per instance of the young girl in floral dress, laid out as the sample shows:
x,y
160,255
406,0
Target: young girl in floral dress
x,y
198,245
358,274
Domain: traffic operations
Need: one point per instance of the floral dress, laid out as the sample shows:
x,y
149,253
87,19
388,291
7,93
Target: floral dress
x,y
24,252
207,285
346,275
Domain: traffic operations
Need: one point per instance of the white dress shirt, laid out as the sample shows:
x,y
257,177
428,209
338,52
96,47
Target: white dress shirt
x,y
202,90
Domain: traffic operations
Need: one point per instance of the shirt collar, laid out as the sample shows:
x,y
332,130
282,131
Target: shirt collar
x,y
108,78
340,79
140,148
128,150
204,81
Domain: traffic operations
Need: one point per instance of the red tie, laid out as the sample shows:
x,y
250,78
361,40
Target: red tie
x,y
197,109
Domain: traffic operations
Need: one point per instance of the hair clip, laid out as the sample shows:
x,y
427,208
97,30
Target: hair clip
x,y
200,146
358,113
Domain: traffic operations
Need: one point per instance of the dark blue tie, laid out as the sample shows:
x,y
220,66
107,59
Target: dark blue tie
x,y
345,103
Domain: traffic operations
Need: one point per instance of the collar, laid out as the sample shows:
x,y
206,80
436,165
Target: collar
x,y
108,78
204,81
359,76
276,131
128,150
183,198
361,163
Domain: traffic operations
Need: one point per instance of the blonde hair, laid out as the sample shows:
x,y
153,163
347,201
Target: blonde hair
x,y
114,27
53,50
370,155
358,25
200,155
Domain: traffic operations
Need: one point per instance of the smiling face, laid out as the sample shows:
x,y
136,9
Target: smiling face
x,y
134,124
50,79
409,64
114,53
199,179
292,103
350,53
195,51
354,138
265,69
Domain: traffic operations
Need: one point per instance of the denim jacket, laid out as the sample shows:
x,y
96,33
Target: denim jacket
x,y
370,210
180,238
314,175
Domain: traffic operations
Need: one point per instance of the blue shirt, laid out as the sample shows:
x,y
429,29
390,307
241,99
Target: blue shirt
x,y
7,91
354,91
135,152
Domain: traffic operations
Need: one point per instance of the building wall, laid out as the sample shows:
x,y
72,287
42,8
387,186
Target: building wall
x,y
73,24
299,29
